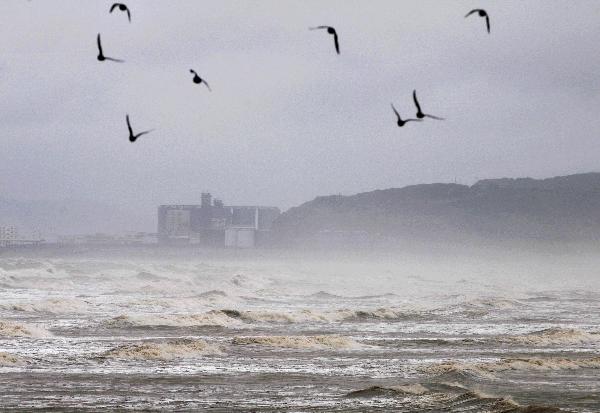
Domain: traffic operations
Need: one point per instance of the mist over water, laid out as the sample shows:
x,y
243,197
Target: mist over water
x,y
469,330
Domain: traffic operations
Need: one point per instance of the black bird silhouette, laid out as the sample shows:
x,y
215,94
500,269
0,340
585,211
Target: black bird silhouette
x,y
420,113
101,56
132,137
197,79
332,31
482,13
122,7
403,122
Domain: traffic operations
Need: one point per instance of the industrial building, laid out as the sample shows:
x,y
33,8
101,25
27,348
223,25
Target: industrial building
x,y
213,224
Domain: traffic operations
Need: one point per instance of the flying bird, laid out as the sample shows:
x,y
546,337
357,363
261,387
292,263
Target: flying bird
x,y
197,79
122,7
403,122
420,113
331,31
482,13
132,137
101,56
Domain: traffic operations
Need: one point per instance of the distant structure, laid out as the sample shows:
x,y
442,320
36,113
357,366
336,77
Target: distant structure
x,y
213,224
100,239
8,236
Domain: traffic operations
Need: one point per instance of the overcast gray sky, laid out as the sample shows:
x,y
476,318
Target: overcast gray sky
x,y
288,119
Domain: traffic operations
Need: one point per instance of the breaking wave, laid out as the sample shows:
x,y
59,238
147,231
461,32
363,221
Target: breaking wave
x,y
324,295
53,306
375,391
454,398
300,342
555,336
238,318
303,316
209,319
9,329
480,402
182,348
481,307
487,369
384,314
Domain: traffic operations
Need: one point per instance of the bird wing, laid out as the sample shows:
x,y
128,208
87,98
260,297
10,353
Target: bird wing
x,y
318,27
129,125
487,22
114,60
207,85
416,101
337,44
413,120
99,43
113,7
143,133
395,111
128,13
472,11
434,117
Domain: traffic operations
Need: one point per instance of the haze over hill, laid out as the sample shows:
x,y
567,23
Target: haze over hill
x,y
559,208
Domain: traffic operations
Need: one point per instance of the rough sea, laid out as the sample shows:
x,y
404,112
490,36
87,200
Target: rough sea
x,y
256,331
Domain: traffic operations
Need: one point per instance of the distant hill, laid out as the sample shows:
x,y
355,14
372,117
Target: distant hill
x,y
560,208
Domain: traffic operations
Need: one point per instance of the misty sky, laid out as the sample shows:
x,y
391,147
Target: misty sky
x,y
288,119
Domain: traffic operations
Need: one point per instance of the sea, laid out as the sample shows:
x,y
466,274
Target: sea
x,y
259,331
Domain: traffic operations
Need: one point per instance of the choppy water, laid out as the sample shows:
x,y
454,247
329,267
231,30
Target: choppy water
x,y
272,334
